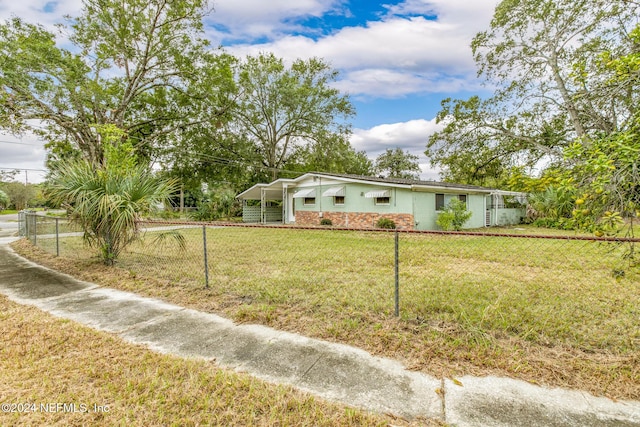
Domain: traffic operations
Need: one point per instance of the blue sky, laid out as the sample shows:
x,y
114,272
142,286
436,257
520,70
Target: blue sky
x,y
397,59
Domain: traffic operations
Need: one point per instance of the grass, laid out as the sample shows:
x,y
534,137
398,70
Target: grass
x,y
548,311
44,360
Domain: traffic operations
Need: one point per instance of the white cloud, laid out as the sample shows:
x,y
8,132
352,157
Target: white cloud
x,y
463,11
388,83
415,44
414,54
410,136
35,11
22,153
248,19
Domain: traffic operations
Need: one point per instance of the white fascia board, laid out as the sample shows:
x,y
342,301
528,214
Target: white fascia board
x,y
456,190
336,180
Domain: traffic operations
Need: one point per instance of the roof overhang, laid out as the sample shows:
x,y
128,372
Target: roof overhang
x,y
272,191
508,193
451,189
337,179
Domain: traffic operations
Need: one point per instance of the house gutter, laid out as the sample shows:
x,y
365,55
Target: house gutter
x,y
450,189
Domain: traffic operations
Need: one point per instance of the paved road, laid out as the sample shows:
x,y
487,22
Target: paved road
x,y
336,372
8,225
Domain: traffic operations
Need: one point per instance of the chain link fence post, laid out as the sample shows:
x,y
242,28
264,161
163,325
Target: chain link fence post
x,y
26,226
21,224
397,276
35,230
206,262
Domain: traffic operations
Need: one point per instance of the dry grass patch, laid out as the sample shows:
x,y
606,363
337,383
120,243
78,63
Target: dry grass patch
x,y
546,311
45,360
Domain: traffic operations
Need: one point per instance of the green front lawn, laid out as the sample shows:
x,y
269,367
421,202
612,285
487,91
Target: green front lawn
x,y
49,361
559,312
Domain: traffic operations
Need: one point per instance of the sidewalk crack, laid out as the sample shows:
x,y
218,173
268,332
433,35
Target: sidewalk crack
x,y
311,367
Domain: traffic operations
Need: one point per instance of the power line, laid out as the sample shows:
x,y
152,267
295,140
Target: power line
x,y
20,143
241,161
22,169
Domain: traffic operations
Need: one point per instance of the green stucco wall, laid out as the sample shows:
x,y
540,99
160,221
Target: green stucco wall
x,y
426,215
420,204
400,200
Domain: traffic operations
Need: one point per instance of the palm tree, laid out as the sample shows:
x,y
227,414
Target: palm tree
x,y
552,203
107,201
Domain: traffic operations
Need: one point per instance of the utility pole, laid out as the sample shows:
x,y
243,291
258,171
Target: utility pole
x,y
182,199
26,183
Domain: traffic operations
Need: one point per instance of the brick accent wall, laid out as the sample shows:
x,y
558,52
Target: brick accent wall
x,y
354,219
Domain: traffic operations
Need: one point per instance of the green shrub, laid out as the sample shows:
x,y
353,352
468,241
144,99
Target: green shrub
x,y
386,223
168,213
4,200
206,212
220,203
326,221
454,216
557,223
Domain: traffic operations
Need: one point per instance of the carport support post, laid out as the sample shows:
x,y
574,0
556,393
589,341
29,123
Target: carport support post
x,y
397,275
57,239
263,202
206,262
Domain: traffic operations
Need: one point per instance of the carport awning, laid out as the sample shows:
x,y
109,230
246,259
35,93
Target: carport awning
x,y
333,192
308,192
377,193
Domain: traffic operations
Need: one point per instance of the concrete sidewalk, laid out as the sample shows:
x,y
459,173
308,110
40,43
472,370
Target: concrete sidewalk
x,y
336,372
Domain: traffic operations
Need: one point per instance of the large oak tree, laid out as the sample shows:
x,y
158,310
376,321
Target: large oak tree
x,y
543,58
284,109
141,65
396,163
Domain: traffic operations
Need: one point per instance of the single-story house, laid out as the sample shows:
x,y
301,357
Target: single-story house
x,y
359,201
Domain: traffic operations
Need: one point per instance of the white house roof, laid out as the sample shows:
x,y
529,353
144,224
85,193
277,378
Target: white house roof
x,y
274,190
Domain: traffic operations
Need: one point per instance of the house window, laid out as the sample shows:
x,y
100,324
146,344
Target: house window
x,y
382,200
308,201
338,200
442,200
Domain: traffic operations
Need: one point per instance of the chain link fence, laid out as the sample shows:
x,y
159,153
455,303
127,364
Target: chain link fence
x,y
413,274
